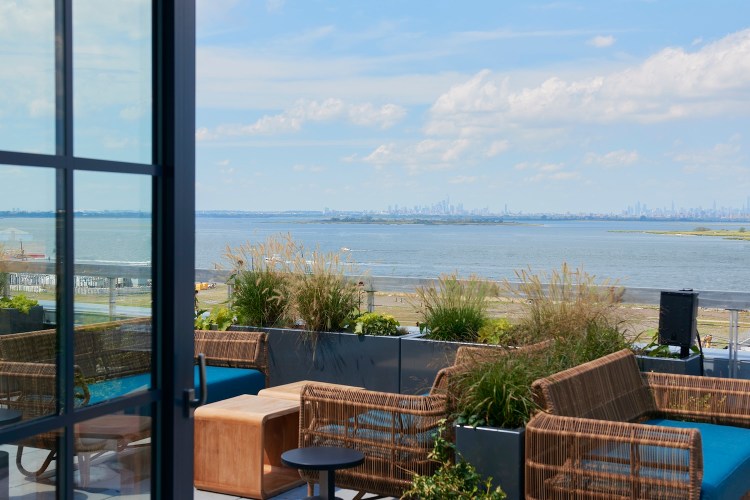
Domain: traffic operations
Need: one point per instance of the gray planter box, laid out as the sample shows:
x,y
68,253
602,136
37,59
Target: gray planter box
x,y
14,321
421,359
495,452
679,366
368,361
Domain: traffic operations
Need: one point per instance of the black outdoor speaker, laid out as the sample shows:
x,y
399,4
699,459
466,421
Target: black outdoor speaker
x,y
677,318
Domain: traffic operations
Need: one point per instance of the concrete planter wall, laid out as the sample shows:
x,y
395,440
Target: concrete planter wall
x,y
14,321
679,366
495,452
368,361
421,359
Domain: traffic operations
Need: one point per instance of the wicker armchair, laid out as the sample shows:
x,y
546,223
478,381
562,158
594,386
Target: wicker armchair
x,y
608,431
394,431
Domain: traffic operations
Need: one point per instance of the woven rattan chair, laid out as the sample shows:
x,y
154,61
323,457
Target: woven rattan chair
x,y
394,431
234,349
608,431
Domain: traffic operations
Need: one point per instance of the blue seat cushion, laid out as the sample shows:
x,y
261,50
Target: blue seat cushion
x,y
223,383
726,458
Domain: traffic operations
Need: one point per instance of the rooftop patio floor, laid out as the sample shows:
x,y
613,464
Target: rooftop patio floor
x,y
295,494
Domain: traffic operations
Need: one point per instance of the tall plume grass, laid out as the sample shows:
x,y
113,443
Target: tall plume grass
x,y
565,302
454,309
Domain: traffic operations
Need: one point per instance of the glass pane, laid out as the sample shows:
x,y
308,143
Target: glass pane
x,y
27,78
29,466
28,338
113,455
112,458
112,241
112,80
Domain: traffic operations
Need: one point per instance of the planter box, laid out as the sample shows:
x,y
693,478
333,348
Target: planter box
x,y
679,366
421,359
495,452
368,361
14,321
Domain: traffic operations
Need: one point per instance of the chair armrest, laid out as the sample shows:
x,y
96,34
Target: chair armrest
x,y
706,399
32,387
604,459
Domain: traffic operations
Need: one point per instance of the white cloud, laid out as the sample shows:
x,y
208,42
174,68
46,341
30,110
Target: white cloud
x,y
612,159
203,134
725,158
601,41
497,147
292,119
671,84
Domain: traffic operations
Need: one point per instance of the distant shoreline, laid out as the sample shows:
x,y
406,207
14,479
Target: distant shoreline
x,y
471,221
725,234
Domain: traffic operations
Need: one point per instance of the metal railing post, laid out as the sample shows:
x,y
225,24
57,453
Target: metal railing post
x,y
734,341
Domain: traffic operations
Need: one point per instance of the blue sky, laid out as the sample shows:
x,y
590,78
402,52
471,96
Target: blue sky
x,y
543,106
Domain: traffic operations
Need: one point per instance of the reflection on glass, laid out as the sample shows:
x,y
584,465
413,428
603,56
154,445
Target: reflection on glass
x,y
28,338
114,454
112,242
112,80
112,458
29,466
27,77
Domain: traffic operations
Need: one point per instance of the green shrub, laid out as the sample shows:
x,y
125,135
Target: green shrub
x,y
260,279
260,298
454,479
454,309
324,298
376,324
500,331
220,319
498,393
20,302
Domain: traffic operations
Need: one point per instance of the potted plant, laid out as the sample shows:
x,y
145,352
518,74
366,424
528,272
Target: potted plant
x,y
20,314
494,399
309,307
655,357
452,311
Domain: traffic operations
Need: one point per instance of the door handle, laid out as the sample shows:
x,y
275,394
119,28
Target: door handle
x,y
191,401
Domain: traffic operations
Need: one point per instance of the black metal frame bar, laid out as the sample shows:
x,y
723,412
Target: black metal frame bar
x,y
173,173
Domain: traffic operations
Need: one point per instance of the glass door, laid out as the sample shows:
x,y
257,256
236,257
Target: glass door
x,y
96,248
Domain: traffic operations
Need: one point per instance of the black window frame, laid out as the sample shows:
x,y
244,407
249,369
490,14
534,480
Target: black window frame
x,y
173,252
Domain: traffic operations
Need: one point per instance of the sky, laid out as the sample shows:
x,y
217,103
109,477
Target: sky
x,y
544,106
533,106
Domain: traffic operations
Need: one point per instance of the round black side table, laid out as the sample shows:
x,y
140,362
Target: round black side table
x,y
8,416
327,460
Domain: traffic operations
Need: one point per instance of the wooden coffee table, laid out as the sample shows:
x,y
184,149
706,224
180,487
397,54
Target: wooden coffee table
x,y
238,446
293,390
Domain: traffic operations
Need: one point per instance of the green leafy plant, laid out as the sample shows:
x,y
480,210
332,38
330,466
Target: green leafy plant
x,y
20,302
455,479
376,324
498,393
324,298
500,331
656,350
260,281
220,318
454,309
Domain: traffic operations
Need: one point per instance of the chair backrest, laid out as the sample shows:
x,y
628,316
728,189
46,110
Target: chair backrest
x,y
608,388
235,349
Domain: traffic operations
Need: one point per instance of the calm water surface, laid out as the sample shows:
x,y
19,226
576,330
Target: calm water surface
x,y
635,259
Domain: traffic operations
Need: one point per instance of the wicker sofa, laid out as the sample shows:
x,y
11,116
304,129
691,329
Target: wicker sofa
x,y
114,359
394,431
608,431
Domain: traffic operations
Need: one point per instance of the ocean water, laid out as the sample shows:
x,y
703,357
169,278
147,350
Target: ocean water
x,y
495,252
